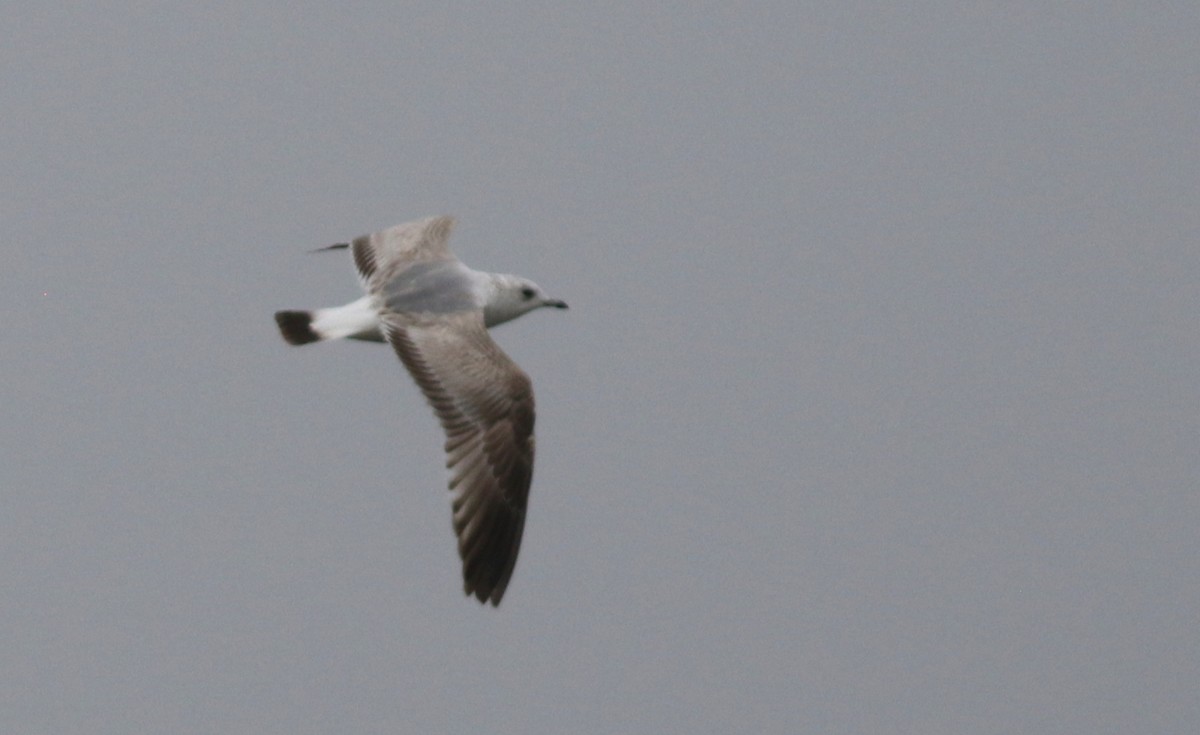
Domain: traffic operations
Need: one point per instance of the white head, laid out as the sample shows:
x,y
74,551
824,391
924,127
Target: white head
x,y
511,296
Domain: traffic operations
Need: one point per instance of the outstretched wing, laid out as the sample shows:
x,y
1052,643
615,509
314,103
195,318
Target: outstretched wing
x,y
485,404
379,257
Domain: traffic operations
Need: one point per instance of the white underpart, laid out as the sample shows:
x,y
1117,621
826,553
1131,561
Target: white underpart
x,y
355,320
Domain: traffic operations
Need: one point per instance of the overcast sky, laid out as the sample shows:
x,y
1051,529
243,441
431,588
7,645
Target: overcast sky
x,y
876,408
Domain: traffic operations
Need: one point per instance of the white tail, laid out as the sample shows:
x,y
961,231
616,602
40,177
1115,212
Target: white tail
x,y
356,320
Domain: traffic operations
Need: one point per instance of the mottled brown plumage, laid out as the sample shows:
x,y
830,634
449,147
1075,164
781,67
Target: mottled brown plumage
x,y
485,405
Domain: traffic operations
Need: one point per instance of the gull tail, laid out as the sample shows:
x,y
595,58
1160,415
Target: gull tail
x,y
356,320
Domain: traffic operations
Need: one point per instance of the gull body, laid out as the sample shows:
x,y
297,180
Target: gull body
x,y
435,312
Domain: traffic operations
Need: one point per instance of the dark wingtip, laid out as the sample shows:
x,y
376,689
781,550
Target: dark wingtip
x,y
485,597
335,246
296,327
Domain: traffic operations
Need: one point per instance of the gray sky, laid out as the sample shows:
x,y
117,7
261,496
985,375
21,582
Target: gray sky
x,y
876,409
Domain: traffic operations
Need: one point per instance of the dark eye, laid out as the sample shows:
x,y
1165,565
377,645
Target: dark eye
x,y
527,292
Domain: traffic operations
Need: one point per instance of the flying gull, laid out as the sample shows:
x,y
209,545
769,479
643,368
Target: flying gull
x,y
435,312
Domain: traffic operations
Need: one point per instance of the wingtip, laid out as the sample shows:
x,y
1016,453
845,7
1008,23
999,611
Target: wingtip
x,y
327,248
485,597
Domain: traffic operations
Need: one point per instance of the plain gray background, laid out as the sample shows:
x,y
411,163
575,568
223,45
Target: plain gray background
x,y
876,408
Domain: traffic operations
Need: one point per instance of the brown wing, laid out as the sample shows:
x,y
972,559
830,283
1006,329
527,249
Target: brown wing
x,y
380,256
485,405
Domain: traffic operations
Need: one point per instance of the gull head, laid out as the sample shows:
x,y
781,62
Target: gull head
x,y
511,296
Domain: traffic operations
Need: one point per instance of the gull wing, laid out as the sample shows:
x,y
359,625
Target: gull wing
x,y
484,402
382,255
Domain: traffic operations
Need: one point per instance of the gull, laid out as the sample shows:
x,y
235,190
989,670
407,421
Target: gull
x,y
435,312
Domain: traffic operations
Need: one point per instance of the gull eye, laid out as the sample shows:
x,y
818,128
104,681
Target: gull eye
x,y
527,292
